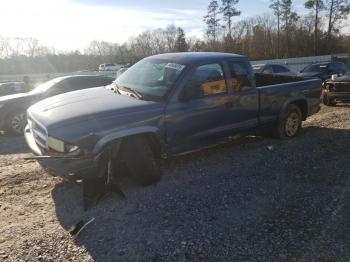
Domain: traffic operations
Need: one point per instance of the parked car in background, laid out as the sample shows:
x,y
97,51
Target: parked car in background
x,y
324,70
275,69
108,67
164,105
10,88
336,90
122,69
13,107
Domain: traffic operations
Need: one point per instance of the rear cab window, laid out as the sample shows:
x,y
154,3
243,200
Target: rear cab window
x,y
280,69
242,77
207,80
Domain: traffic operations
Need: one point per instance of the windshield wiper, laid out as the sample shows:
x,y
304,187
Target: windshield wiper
x,y
133,91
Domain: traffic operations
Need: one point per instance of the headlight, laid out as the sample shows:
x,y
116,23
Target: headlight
x,y
55,144
62,147
72,150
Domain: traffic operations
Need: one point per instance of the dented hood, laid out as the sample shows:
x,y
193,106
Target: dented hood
x,y
84,105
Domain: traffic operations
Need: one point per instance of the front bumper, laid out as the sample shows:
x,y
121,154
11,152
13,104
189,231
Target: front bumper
x,y
64,166
339,95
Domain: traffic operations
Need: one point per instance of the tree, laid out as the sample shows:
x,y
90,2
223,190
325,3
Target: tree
x,y
317,6
338,10
275,5
289,17
228,11
32,46
170,36
181,44
5,47
212,21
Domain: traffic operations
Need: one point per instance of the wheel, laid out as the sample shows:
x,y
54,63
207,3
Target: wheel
x,y
327,101
289,124
16,123
94,188
141,161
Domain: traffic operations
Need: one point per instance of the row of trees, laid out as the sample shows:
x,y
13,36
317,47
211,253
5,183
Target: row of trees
x,y
326,16
283,33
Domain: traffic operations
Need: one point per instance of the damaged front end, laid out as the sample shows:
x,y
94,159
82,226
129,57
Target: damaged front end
x,y
336,90
58,158
73,163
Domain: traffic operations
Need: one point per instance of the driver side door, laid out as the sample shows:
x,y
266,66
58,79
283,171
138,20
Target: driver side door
x,y
201,113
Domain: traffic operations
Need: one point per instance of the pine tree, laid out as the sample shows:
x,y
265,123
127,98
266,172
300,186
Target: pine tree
x,y
317,6
212,20
228,11
181,44
275,5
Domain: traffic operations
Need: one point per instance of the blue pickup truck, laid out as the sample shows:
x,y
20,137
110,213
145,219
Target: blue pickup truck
x,y
162,106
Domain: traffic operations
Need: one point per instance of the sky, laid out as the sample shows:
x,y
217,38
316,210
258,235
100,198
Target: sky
x,y
72,24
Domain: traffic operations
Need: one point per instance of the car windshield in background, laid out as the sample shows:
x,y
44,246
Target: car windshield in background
x,y
257,69
151,78
315,68
45,86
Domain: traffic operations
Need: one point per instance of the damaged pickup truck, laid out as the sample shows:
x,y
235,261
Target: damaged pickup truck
x,y
164,105
336,90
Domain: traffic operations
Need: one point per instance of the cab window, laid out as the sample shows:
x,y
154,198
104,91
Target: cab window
x,y
279,69
206,80
241,76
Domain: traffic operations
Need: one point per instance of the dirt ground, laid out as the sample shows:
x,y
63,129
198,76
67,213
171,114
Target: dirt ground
x,y
257,199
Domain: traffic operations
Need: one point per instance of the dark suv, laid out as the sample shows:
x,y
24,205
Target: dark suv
x,y
13,107
325,70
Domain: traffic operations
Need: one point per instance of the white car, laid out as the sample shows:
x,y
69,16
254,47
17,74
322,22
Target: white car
x,y
108,67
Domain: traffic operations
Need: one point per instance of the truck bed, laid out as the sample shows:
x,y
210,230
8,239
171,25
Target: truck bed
x,y
270,79
277,91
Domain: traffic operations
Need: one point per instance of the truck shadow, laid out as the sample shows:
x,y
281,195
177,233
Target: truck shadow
x,y
13,145
279,205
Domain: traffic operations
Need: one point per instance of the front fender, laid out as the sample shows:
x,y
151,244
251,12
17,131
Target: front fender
x,y
124,133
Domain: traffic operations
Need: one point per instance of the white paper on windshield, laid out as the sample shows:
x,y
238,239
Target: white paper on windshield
x,y
177,67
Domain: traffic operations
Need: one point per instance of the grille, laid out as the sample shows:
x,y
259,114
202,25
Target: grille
x,y
39,132
342,87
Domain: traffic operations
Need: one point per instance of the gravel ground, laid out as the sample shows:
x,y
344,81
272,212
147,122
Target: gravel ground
x,y
245,201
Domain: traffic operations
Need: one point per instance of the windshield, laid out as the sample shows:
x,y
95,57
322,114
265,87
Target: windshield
x,y
257,68
150,77
315,68
45,86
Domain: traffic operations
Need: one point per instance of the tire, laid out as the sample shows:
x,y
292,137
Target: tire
x,y
141,161
16,122
289,124
327,101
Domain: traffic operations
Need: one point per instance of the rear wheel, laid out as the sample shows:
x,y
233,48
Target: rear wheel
x,y
289,124
16,123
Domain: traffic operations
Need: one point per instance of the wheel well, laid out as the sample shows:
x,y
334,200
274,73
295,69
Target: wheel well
x,y
154,142
303,108
152,139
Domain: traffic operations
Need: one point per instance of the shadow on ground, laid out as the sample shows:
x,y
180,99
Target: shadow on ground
x,y
13,145
239,202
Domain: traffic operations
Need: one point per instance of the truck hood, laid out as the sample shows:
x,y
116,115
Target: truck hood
x,y
345,78
84,105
